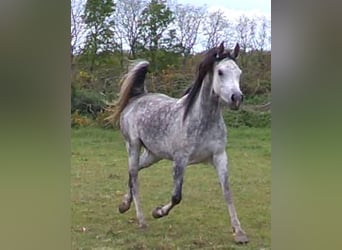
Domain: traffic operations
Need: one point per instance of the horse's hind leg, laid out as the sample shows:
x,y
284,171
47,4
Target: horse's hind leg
x,y
133,149
220,162
178,173
146,159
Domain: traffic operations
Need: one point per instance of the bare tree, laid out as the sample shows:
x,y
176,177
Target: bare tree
x,y
77,27
245,31
217,28
127,17
188,19
77,33
263,33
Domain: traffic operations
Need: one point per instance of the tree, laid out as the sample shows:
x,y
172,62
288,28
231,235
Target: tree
x,y
263,34
99,23
217,28
127,16
187,20
77,33
154,21
77,26
245,30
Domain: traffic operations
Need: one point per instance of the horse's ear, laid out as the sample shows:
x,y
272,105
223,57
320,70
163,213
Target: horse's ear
x,y
236,51
220,49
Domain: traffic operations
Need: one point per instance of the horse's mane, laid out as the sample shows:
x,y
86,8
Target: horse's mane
x,y
206,66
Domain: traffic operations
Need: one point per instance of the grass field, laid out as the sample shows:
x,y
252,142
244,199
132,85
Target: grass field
x,y
201,221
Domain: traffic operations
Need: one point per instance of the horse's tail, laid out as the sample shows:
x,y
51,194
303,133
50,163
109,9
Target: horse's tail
x,y
132,84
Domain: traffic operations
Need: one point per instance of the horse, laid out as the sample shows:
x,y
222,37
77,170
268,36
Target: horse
x,y
187,131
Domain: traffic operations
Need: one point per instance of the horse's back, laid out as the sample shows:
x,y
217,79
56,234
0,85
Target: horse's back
x,y
150,115
148,104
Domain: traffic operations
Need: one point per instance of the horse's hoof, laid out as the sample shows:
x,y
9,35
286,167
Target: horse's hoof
x,y
123,207
157,212
240,238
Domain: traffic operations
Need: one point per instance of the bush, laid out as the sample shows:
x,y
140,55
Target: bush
x,y
244,118
78,120
256,99
100,120
87,102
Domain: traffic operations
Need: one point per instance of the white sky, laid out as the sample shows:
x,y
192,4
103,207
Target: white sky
x,y
235,8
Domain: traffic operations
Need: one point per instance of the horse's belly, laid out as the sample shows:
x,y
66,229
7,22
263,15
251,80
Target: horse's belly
x,y
158,148
205,157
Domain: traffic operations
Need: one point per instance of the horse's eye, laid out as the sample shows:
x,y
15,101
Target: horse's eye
x,y
220,72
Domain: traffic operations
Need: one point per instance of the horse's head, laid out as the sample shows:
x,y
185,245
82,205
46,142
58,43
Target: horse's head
x,y
226,77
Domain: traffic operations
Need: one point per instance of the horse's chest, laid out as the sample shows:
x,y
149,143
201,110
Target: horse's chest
x,y
206,145
210,138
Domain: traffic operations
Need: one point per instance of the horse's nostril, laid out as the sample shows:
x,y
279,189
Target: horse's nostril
x,y
237,97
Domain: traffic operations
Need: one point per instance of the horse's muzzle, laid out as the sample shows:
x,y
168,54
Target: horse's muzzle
x,y
236,100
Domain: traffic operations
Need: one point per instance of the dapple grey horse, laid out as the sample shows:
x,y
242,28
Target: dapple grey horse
x,y
186,131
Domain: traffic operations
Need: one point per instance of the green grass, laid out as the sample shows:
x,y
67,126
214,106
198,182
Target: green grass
x,y
201,221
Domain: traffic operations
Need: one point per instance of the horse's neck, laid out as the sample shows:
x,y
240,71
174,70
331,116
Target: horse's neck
x,y
208,103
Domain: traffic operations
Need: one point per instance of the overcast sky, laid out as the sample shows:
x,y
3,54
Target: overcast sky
x,y
235,8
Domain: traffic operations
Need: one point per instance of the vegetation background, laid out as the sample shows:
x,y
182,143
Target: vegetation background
x,y
107,36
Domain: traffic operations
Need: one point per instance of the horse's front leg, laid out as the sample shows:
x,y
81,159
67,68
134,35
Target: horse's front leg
x,y
178,173
220,161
